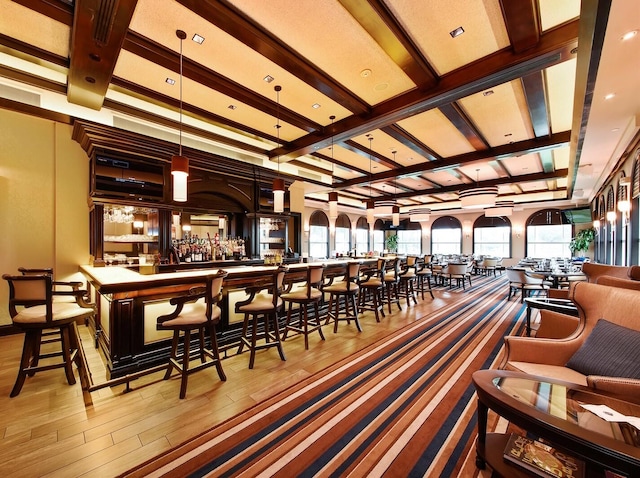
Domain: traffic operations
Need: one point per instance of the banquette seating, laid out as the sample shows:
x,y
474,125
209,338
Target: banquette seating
x,y
603,352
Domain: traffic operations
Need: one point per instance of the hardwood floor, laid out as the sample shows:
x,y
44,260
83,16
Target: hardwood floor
x,y
53,429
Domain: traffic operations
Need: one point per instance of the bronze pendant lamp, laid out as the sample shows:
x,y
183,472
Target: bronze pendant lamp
x,y
180,163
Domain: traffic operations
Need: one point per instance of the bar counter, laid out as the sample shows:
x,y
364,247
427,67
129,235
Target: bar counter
x,y
128,304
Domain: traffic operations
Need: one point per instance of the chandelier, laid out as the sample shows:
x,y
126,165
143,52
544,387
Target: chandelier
x,y
478,197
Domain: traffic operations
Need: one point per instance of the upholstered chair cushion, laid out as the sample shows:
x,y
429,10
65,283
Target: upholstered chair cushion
x,y
261,302
193,314
610,350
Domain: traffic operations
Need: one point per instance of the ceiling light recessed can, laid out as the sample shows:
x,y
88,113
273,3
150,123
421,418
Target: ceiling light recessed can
x,y
170,81
366,73
629,35
457,32
487,93
315,106
268,78
609,96
198,39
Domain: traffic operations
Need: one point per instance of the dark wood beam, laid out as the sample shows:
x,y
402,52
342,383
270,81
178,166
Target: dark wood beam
x,y
98,32
365,152
342,164
167,58
227,18
463,123
553,48
407,139
376,18
535,95
36,111
32,53
523,23
522,147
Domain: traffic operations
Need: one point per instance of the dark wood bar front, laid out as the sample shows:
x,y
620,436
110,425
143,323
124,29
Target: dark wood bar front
x,y
129,303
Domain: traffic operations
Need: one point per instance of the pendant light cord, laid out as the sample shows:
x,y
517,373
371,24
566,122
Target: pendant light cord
x,y
278,88
181,35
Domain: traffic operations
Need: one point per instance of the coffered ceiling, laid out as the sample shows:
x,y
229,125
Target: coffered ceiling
x,y
515,101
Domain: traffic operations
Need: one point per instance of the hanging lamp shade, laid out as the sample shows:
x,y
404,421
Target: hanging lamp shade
x,y
180,163
333,205
419,214
501,209
478,197
278,195
384,208
180,173
396,215
222,222
371,207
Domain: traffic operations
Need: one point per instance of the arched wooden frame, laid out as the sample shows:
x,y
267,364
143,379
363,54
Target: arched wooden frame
x,y
319,218
362,223
548,217
343,221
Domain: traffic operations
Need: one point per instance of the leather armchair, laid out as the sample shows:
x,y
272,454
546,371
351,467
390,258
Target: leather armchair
x,y
547,357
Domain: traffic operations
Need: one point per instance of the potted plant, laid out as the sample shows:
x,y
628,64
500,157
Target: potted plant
x,y
391,243
582,240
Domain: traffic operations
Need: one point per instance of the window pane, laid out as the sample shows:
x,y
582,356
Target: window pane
x,y
378,241
318,241
410,242
549,241
343,240
446,241
492,241
362,240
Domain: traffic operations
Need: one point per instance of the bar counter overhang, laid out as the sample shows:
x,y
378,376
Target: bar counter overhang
x,y
128,304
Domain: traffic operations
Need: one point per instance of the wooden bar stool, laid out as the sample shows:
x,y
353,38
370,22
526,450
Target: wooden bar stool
x,y
391,281
309,294
408,279
265,305
424,274
372,289
346,290
197,311
39,312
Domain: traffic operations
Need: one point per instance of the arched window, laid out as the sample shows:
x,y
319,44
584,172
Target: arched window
x,y
318,235
378,236
492,236
362,235
549,234
409,238
343,234
446,236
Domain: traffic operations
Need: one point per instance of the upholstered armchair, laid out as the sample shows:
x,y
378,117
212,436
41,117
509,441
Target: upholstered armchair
x,y
611,345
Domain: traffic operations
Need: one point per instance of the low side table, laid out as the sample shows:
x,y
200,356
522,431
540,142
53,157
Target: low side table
x,y
551,409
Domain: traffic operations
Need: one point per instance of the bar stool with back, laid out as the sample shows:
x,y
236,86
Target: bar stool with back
x,y
309,294
372,289
346,289
192,313
33,309
265,305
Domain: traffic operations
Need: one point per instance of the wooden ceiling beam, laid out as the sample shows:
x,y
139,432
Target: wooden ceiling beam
x,y
410,141
59,10
521,147
365,152
523,23
376,18
463,123
99,29
554,47
227,18
535,94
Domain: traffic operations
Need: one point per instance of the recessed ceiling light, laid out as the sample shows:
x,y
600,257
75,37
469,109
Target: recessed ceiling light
x,y
629,35
232,107
487,93
508,134
615,129
609,96
365,73
171,81
315,106
198,39
268,78
457,32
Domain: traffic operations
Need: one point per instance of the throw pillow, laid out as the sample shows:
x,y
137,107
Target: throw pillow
x,y
610,350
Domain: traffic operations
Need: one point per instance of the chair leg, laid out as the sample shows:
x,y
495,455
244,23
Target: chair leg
x,y
276,334
27,351
317,310
185,363
216,353
174,354
67,354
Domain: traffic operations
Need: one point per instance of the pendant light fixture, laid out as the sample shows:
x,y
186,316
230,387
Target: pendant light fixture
x,y
278,183
180,163
371,205
333,195
478,197
395,213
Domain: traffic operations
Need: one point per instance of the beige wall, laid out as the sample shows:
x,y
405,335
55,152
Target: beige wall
x,y
43,199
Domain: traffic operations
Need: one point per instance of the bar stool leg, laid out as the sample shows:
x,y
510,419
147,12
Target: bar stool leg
x,y
185,363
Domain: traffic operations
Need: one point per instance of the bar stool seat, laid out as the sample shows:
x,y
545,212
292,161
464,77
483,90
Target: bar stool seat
x,y
372,289
265,305
345,290
424,275
408,278
304,296
33,309
196,311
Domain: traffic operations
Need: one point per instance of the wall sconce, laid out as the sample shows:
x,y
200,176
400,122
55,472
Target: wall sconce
x,y
596,224
518,230
305,228
466,228
624,207
611,217
222,222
